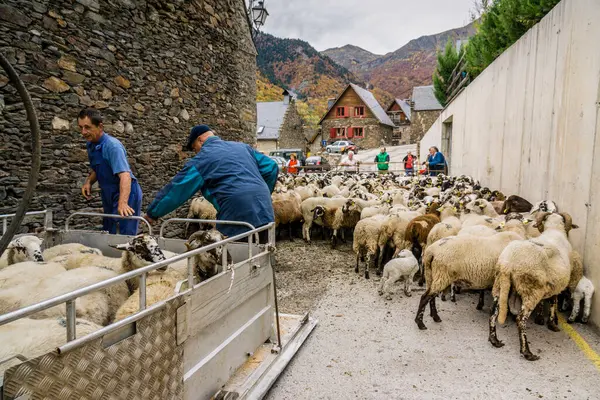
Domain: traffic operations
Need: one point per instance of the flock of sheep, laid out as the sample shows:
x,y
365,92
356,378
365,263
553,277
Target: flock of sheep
x,y
453,231
29,275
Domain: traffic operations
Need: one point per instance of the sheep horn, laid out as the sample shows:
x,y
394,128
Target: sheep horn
x,y
568,222
539,219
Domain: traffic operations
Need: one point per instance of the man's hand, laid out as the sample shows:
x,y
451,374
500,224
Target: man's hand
x,y
86,190
150,220
124,210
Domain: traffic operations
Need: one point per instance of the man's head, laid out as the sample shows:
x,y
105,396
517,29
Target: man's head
x,y
90,124
350,155
433,150
197,137
382,149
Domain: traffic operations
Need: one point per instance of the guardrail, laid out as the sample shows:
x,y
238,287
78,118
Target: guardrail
x,y
114,216
70,298
47,219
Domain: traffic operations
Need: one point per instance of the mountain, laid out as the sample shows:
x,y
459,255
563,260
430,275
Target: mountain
x,y
399,71
350,56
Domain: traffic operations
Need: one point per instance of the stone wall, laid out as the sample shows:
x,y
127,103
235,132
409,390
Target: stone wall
x,y
420,123
154,68
291,133
374,132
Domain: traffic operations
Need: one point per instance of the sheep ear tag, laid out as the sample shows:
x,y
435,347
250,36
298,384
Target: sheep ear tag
x,y
505,211
440,209
455,210
525,221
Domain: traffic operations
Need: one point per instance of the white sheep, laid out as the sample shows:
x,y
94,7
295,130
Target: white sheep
x,y
28,271
536,269
404,265
32,338
366,240
308,207
24,248
200,208
68,248
583,292
477,230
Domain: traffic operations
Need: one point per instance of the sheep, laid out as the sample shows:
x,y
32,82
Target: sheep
x,y
308,191
536,269
330,191
287,210
470,261
482,207
392,234
366,239
24,248
68,248
405,265
27,271
336,218
477,230
307,208
516,204
544,206
449,225
417,231
207,264
98,307
583,292
200,208
475,220
32,338
383,209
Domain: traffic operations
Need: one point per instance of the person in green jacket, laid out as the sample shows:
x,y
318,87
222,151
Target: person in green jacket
x,y
383,161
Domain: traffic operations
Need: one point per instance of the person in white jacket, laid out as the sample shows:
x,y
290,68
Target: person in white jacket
x,y
349,162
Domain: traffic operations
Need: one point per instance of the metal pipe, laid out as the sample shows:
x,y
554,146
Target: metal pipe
x,y
203,221
24,312
142,286
103,331
36,151
272,245
48,216
71,320
93,214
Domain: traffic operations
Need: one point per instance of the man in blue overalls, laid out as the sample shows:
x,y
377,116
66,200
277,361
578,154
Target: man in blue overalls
x,y
120,190
234,177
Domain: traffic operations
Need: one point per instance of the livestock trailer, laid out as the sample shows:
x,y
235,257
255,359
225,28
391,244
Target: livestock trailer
x,y
222,338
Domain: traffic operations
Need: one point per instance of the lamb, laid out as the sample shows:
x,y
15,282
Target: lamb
x,y
68,248
516,204
583,292
200,208
32,338
24,248
469,261
417,231
535,269
98,307
27,271
405,265
366,239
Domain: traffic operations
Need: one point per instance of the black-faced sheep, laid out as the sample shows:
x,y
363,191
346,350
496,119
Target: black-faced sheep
x,y
24,248
535,269
516,203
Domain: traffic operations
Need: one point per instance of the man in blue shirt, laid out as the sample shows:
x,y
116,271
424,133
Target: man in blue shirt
x,y
120,191
234,177
435,161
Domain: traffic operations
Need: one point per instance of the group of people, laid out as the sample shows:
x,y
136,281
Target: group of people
x,y
239,186
434,165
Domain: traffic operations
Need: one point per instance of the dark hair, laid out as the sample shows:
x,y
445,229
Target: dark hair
x,y
93,114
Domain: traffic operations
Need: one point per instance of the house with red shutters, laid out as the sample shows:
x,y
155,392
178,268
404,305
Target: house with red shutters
x,y
356,115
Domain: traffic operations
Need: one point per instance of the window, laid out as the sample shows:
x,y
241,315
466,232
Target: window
x,y
340,112
358,132
359,111
341,132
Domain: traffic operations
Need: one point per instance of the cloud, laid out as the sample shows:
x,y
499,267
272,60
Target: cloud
x,y
379,26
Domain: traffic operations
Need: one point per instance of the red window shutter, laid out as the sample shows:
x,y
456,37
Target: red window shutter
x,y
348,111
350,133
332,133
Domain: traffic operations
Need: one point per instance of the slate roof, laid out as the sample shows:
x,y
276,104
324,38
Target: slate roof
x,y
425,99
371,102
269,116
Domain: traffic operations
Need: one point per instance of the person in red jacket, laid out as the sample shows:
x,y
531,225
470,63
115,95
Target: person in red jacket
x,y
409,164
292,164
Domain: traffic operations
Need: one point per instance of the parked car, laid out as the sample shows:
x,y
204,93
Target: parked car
x,y
342,146
280,162
285,153
317,164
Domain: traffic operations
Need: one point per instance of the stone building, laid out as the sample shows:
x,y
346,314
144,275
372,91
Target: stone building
x,y
413,117
356,115
153,68
279,125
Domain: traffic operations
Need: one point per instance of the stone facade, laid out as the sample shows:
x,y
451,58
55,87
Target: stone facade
x,y
420,124
154,68
291,134
374,133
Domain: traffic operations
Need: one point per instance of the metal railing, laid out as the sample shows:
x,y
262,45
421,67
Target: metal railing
x,y
47,219
114,216
70,298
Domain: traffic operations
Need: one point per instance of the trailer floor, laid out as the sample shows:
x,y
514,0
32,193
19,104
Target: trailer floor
x,y
368,348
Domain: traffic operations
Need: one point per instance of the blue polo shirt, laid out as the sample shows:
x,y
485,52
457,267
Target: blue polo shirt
x,y
114,155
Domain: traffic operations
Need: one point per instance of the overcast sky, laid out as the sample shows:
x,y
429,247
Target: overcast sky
x,y
379,26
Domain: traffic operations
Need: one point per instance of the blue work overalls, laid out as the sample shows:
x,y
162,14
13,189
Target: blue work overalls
x,y
107,153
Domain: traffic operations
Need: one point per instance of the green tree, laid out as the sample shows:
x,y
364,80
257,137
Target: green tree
x,y
502,23
447,61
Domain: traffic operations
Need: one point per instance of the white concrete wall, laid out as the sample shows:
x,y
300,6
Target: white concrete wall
x,y
530,123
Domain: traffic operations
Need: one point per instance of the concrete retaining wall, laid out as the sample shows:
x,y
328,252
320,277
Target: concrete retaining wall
x,y
530,123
